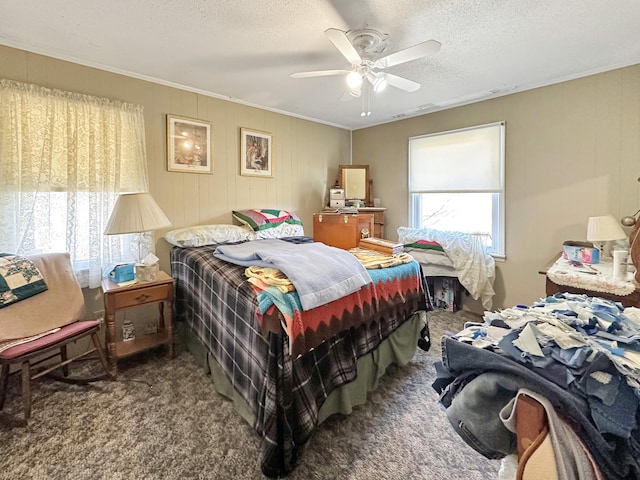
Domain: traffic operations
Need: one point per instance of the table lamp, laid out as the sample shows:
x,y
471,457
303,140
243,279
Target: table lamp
x,y
136,213
604,229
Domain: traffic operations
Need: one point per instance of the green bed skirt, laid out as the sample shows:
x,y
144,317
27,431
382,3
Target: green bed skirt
x,y
397,349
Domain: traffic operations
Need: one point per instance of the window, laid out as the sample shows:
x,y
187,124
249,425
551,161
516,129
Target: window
x,y
65,158
456,182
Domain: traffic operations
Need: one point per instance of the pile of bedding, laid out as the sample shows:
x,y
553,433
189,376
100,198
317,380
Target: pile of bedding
x,y
474,267
284,274
580,353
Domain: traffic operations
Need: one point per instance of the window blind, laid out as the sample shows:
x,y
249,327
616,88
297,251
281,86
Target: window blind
x,y
466,160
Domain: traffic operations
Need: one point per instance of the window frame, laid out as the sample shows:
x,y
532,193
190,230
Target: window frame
x,y
498,248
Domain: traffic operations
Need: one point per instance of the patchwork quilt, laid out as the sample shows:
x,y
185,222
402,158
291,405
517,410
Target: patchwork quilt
x,y
19,279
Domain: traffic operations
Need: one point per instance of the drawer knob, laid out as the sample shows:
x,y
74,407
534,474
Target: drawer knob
x,y
143,297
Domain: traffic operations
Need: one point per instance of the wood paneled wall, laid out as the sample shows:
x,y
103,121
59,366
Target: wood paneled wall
x,y
306,154
572,151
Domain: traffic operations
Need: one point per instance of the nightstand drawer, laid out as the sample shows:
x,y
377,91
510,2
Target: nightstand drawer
x,y
142,296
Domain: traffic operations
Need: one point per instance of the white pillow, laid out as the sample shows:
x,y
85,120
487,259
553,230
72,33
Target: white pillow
x,y
200,235
282,230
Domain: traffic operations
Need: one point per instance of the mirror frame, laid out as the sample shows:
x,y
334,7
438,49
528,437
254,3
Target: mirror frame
x,y
341,170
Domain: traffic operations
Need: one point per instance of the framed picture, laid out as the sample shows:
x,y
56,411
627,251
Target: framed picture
x,y
188,145
255,153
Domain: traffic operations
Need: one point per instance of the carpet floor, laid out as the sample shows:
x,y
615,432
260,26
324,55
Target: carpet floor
x,y
164,420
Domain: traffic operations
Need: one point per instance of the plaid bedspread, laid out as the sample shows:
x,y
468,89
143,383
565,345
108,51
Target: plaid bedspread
x,y
218,304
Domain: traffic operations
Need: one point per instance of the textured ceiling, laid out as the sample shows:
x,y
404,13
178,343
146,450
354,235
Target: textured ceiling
x,y
245,50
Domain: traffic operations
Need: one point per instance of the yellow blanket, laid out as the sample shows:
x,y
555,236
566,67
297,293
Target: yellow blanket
x,y
372,259
270,276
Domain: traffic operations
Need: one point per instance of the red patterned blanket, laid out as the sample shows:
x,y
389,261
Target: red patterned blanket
x,y
394,291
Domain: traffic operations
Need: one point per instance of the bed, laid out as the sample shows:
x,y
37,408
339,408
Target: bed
x,y
282,386
567,368
453,254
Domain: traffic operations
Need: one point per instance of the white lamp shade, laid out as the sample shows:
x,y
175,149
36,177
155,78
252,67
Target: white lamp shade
x,y
134,213
604,229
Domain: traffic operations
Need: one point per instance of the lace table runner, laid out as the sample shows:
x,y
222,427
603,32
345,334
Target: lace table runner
x,y
597,277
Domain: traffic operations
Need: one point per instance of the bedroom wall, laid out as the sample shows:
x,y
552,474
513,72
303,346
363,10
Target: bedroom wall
x,y
572,151
306,154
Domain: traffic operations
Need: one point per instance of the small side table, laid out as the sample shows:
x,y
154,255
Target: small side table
x,y
119,298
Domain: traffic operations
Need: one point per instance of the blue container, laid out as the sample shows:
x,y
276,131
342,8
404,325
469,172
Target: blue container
x,y
123,272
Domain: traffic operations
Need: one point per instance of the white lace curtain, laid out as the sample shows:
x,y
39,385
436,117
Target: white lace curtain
x,y
64,158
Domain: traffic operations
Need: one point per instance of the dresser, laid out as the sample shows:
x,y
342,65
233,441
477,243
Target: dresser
x,y
378,219
342,230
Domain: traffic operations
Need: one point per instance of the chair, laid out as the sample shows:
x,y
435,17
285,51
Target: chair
x,y
60,307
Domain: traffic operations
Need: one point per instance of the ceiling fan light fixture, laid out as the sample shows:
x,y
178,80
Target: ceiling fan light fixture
x,y
357,47
354,80
380,84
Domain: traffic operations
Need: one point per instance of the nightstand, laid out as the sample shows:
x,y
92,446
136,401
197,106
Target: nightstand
x,y
579,283
159,290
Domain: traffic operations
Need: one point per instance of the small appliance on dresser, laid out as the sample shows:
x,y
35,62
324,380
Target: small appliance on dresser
x,y
336,197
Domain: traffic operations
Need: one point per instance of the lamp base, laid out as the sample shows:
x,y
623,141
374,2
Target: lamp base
x,y
602,248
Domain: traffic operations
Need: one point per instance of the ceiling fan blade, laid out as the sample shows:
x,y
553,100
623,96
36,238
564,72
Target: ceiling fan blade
x,y
319,73
412,53
400,82
342,43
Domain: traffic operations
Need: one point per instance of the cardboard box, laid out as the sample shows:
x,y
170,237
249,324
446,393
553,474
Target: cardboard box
x,y
581,254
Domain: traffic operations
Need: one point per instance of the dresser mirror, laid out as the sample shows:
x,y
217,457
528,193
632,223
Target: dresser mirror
x,y
355,181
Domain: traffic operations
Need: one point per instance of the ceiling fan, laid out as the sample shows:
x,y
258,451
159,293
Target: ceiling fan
x,y
364,68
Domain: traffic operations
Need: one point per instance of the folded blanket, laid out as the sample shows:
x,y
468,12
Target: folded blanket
x,y
372,259
320,273
269,276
